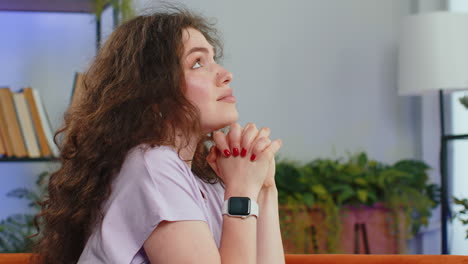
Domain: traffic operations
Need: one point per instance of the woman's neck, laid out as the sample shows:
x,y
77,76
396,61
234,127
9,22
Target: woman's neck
x,y
187,152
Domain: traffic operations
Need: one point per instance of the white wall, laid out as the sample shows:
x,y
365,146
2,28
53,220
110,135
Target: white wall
x,y
320,74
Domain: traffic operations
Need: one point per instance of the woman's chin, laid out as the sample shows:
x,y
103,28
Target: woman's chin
x,y
226,122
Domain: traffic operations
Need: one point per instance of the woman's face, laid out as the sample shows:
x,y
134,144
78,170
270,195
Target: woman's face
x,y
207,82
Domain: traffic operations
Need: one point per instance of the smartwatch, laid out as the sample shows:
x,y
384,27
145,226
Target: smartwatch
x,y
242,207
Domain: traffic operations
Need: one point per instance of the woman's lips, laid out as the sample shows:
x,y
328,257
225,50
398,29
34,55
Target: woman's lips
x,y
228,99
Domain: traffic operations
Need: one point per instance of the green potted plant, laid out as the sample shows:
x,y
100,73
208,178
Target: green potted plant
x,y
15,229
318,199
462,213
464,101
122,8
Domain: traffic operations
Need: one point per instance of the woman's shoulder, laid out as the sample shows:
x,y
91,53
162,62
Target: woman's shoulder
x,y
154,155
162,157
146,160
155,159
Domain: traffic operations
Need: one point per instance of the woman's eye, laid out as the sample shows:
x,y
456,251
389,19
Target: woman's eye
x,y
197,62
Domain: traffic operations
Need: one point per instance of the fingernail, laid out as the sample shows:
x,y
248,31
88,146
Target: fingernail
x,y
243,152
235,152
227,153
252,158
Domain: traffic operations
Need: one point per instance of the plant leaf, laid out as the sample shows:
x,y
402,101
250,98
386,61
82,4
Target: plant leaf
x,y
362,195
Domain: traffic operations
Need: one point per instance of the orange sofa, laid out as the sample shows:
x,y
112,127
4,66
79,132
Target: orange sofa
x,y
21,258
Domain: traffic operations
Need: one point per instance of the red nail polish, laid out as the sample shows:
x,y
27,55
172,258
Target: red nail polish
x,y
243,152
235,152
227,153
252,158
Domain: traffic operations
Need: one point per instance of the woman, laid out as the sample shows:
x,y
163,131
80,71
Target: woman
x,y
137,183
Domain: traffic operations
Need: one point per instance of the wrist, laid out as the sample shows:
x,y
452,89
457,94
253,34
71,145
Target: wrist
x,y
268,194
230,192
269,190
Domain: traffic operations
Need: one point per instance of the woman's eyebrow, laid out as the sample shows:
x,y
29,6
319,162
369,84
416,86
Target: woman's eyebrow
x,y
202,49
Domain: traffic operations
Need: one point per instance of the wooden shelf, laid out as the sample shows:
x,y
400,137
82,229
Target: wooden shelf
x,y
11,159
65,6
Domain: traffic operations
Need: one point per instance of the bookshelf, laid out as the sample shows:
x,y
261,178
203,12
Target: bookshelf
x,y
51,6
57,6
62,6
9,159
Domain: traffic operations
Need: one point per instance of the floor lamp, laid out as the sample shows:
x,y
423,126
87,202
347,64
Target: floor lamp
x,y
433,57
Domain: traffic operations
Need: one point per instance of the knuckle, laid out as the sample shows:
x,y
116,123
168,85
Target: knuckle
x,y
216,135
235,125
266,129
250,125
256,148
268,155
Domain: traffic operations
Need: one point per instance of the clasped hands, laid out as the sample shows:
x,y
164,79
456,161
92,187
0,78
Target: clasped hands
x,y
245,157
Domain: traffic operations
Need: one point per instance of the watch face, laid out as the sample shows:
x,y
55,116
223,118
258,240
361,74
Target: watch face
x,y
239,206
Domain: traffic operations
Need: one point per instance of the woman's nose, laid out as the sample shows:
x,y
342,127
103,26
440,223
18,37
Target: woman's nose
x,y
224,77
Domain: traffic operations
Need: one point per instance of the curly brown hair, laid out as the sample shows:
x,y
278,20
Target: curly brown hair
x,y
133,95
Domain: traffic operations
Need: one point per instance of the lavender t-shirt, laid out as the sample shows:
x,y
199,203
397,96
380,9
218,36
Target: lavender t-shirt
x,y
151,187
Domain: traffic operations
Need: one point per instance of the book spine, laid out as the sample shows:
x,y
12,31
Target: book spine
x,y
45,123
14,131
78,89
26,125
41,137
19,117
4,131
2,145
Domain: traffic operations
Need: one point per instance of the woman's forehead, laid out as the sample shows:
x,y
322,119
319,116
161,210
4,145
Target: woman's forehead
x,y
194,38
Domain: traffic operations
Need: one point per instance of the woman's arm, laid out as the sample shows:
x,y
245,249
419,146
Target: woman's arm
x,y
192,241
269,244
239,237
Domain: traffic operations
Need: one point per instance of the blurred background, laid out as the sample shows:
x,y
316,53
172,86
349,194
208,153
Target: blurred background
x,y
321,74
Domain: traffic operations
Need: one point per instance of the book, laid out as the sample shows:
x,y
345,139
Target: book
x,y
45,123
2,146
26,125
13,129
43,144
4,137
78,89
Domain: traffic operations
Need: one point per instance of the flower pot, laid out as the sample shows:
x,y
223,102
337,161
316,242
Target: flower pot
x,y
306,230
382,236
301,229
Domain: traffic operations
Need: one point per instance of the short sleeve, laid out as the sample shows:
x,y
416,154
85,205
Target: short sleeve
x,y
151,187
176,193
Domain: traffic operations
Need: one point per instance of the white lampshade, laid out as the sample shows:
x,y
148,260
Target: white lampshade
x,y
433,53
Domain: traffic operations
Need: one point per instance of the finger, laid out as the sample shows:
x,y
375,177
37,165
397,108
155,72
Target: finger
x,y
234,138
222,143
264,132
259,146
211,154
211,159
248,136
247,126
270,151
